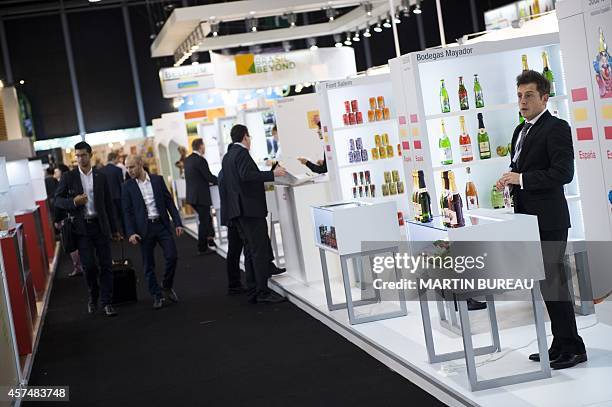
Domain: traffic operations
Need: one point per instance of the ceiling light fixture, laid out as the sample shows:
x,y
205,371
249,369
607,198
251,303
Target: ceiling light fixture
x,y
387,23
356,37
378,27
337,40
367,33
94,1
330,13
368,9
417,8
292,19
348,42
312,43
214,28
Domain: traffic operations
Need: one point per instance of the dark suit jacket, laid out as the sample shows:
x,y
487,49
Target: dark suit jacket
x,y
547,163
70,186
244,184
197,180
223,199
114,175
135,213
318,169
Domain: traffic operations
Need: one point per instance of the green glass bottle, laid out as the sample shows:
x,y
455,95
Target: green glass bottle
x,y
478,97
424,199
444,101
548,74
497,198
464,104
484,147
444,144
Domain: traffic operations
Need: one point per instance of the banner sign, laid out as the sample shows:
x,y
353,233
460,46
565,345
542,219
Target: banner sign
x,y
183,80
247,71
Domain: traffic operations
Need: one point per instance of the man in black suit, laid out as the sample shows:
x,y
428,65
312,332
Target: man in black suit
x,y
246,205
542,162
146,205
321,165
85,194
114,176
198,179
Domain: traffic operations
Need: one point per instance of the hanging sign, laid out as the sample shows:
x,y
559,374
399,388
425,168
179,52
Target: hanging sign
x,y
247,71
184,80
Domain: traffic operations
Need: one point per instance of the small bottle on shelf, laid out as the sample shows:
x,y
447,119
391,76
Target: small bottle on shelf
x,y
465,142
444,144
548,74
444,101
455,203
444,208
507,198
525,65
478,97
471,194
497,198
463,95
424,200
415,196
484,147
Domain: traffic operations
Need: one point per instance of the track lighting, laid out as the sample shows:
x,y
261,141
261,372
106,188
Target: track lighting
x,y
356,37
330,13
367,33
251,24
387,23
312,43
291,19
417,8
368,9
378,27
348,42
214,28
337,40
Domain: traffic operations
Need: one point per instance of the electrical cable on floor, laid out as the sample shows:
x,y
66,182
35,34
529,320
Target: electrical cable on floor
x,y
454,367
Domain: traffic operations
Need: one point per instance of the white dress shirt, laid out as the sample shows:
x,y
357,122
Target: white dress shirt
x,y
146,189
88,188
532,122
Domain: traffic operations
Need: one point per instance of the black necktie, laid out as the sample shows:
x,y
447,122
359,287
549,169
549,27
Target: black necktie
x,y
519,146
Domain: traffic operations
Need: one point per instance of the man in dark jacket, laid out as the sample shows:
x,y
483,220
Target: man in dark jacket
x,y
198,179
84,193
245,204
114,176
146,205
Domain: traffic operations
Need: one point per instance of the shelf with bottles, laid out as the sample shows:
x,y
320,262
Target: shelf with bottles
x,y
369,148
374,184
377,124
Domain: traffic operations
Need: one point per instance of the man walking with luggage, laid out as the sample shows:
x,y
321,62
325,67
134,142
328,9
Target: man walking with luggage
x,y
84,193
147,204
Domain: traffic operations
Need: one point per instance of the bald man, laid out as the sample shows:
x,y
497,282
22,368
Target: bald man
x,y
147,207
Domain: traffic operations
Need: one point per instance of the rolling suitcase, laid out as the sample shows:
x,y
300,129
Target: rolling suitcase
x,y
124,280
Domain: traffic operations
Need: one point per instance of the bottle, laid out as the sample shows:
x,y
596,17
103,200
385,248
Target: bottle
x,y
444,209
484,147
415,196
497,198
507,198
478,98
444,101
536,7
445,147
471,194
455,203
548,74
465,142
525,66
424,200
463,95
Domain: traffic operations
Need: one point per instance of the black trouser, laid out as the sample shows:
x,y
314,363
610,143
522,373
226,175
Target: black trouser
x,y
254,233
555,290
118,214
95,244
205,226
234,248
157,233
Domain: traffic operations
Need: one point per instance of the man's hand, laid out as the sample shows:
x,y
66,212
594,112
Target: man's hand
x,y
302,160
279,171
500,185
511,178
134,239
80,200
179,231
319,162
117,236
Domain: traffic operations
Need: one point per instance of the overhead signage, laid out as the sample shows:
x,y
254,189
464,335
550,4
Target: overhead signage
x,y
249,71
184,80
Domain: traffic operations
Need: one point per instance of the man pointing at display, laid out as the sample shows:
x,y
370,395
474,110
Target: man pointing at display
x,y
542,162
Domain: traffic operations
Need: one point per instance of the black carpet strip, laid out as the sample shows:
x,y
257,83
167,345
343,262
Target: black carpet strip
x,y
208,350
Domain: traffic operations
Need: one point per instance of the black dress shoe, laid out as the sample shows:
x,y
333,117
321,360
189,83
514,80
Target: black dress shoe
x,y
474,305
211,243
567,360
236,290
276,270
270,298
170,295
158,303
92,308
552,355
109,311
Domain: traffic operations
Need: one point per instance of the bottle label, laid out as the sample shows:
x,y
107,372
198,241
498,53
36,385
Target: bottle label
x,y
484,147
417,210
472,202
466,151
446,154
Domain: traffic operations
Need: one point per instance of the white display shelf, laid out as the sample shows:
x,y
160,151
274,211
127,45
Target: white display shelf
x,y
368,124
492,160
379,162
571,198
504,106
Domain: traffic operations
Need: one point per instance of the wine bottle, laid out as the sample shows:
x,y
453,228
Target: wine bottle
x,y
478,97
507,198
497,198
445,147
415,196
463,95
484,147
548,74
536,7
465,142
444,100
525,66
444,209
471,194
455,203
424,199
